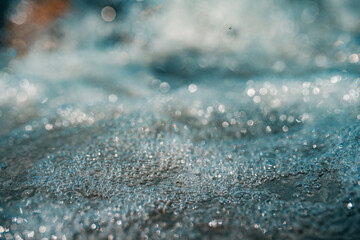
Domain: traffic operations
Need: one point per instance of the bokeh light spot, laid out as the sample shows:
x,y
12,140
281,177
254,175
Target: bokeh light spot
x,y
108,14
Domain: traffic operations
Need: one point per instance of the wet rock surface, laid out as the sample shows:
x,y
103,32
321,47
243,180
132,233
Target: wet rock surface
x,y
180,164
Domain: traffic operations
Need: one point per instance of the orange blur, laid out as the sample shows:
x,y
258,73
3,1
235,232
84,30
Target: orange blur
x,y
38,16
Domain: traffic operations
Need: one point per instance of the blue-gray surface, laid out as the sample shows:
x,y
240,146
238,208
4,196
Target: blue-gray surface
x,y
190,120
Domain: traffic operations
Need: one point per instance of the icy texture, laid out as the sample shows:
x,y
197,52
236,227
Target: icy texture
x,y
107,147
181,164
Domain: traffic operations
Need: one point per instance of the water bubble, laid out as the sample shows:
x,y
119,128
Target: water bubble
x,y
49,126
221,108
164,87
263,91
251,92
354,58
257,99
42,229
285,128
93,226
108,14
225,124
268,129
192,88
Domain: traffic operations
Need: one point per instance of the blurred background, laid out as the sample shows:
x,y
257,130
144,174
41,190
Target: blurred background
x,y
186,37
130,48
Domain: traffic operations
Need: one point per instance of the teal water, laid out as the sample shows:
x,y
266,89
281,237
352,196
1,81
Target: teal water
x,y
188,129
